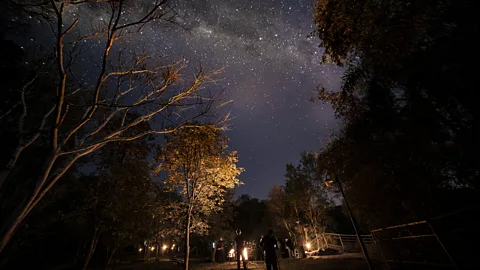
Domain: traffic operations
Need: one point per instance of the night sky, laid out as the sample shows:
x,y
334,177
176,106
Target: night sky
x,y
271,69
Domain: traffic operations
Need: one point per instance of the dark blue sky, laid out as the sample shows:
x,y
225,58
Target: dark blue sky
x,y
271,69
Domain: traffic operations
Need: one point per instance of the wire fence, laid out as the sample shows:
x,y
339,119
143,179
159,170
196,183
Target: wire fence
x,y
445,242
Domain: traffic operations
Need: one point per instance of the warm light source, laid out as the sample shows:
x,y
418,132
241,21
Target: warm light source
x,y
152,248
164,247
308,246
140,250
245,254
328,182
231,253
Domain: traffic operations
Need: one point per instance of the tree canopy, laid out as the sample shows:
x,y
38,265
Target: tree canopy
x,y
407,142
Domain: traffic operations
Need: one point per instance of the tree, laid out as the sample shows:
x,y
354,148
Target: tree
x,y
199,167
121,196
406,106
280,211
250,217
306,194
75,122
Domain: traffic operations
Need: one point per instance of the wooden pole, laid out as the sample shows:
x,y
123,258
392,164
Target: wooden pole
x,y
443,247
352,219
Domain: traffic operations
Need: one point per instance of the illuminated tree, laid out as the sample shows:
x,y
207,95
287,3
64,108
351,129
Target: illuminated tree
x,y
199,167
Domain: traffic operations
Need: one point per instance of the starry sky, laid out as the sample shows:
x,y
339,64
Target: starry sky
x,y
271,69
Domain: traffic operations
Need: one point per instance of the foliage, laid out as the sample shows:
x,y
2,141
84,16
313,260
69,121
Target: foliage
x,y
407,142
301,207
60,118
199,167
250,217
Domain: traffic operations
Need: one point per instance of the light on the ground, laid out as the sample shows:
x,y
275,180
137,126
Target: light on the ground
x,y
308,245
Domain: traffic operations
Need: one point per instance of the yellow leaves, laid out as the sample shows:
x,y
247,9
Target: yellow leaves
x,y
199,167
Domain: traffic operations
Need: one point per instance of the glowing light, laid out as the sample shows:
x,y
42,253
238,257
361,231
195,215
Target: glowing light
x,y
140,250
152,248
308,245
245,254
231,253
164,247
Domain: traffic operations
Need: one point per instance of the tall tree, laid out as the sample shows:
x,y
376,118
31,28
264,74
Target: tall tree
x,y
198,165
306,195
76,121
280,211
406,104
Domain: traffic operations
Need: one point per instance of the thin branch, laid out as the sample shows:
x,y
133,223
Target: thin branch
x,y
147,17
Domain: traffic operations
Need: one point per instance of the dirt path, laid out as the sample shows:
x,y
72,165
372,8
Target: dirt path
x,y
330,262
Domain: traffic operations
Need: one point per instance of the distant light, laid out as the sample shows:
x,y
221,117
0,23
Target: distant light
x,y
213,244
308,245
152,248
165,247
140,250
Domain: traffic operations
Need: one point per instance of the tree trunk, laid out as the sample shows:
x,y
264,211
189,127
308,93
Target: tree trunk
x,y
91,250
187,239
17,217
22,211
157,251
111,256
318,240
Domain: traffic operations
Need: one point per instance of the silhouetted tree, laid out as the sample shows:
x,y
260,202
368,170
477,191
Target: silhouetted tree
x,y
76,118
409,121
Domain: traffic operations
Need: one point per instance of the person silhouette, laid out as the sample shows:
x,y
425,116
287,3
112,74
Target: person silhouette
x,y
269,244
239,247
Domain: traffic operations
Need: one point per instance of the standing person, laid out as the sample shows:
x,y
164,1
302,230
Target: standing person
x,y
220,251
269,244
260,252
239,246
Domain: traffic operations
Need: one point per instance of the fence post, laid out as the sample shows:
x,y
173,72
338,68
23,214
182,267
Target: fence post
x,y
377,243
443,247
341,243
324,241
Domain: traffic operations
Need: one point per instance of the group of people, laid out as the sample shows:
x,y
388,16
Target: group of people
x,y
265,250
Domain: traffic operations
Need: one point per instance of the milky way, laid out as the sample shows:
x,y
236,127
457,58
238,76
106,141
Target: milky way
x,y
271,68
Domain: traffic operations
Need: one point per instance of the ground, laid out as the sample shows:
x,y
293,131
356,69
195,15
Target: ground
x,y
331,262
342,261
